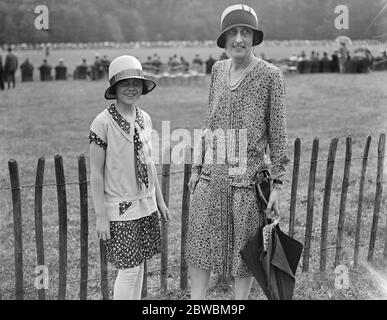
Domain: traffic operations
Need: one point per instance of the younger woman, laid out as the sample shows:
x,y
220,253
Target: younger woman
x,y
126,192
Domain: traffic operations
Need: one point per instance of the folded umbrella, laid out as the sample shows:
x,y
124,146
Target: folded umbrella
x,y
271,255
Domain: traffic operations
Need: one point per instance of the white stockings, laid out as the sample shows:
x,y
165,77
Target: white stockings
x,y
128,285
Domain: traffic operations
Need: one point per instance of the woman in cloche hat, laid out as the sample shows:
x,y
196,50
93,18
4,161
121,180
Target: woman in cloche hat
x,y
125,188
246,96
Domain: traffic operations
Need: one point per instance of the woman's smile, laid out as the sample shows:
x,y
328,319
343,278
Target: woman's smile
x,y
238,46
131,94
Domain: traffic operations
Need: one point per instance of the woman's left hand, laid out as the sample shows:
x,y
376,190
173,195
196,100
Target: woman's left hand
x,y
164,211
273,203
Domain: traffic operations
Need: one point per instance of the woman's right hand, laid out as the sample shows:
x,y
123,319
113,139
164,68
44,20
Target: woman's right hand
x,y
103,228
193,181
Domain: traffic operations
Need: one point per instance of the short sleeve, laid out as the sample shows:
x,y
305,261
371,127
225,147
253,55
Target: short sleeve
x,y
278,143
98,132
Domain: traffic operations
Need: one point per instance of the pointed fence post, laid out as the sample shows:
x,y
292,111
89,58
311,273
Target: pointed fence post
x,y
344,192
360,202
326,203
310,203
378,195
38,208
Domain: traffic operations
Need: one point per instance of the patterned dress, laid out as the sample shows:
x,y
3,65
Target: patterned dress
x,y
224,214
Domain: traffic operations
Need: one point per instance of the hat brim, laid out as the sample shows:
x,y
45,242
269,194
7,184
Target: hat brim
x,y
258,35
148,86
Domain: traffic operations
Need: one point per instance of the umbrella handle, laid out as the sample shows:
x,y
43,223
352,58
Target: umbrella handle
x,y
259,193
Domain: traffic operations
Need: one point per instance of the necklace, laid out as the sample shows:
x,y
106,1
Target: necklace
x,y
241,77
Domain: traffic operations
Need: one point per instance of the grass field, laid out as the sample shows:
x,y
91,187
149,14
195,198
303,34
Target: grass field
x,y
44,119
74,57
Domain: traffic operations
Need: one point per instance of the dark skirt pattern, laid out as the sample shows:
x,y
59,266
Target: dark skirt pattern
x,y
133,241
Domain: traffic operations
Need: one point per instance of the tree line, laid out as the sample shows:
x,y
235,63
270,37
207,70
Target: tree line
x,y
151,20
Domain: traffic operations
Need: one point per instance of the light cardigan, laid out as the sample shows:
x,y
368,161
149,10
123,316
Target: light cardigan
x,y
124,198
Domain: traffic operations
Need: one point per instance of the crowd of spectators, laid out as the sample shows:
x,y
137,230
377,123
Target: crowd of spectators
x,y
179,44
177,65
360,61
341,60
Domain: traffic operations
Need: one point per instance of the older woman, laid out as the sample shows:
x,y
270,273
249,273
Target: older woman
x,y
246,103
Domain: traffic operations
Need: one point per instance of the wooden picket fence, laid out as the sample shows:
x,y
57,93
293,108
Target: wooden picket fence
x,y
165,186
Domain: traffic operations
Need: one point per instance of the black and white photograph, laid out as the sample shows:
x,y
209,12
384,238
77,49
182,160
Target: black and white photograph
x,y
213,151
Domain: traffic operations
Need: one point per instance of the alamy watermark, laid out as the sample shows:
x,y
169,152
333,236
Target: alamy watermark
x,y
42,19
342,277
342,20
41,279
220,146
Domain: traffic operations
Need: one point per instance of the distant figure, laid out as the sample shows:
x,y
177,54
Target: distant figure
x,y
185,64
148,65
47,50
209,63
174,62
314,62
380,61
1,74
175,65
45,71
384,59
96,68
61,71
10,66
148,62
197,63
82,70
156,62
300,64
335,64
343,57
197,60
27,70
105,62
325,64
304,64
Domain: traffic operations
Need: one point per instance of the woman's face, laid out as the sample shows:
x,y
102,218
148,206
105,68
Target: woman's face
x,y
129,91
239,42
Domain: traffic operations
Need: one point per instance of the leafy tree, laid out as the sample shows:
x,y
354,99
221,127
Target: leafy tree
x,y
130,20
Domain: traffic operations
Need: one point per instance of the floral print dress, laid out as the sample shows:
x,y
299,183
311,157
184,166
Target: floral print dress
x,y
224,213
